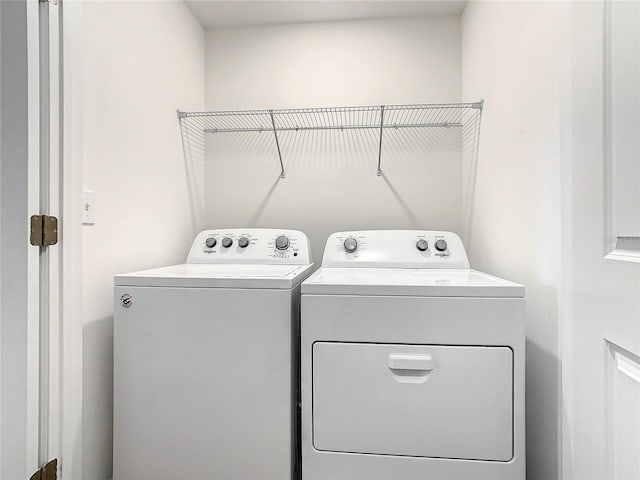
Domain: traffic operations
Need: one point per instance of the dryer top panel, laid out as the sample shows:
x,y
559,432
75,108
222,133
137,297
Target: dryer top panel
x,y
395,249
410,282
256,246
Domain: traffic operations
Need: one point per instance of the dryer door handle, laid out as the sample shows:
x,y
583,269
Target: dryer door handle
x,y
420,363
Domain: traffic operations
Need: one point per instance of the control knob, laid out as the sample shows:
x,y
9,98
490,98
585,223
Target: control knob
x,y
441,245
227,242
422,245
210,242
282,242
243,242
350,245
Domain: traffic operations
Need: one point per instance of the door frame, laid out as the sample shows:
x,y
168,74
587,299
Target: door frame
x,y
54,314
71,309
54,357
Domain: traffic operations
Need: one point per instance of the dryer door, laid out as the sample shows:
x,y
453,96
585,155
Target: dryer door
x,y
413,400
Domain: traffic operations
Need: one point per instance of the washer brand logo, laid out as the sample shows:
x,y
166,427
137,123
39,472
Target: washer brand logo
x,y
126,300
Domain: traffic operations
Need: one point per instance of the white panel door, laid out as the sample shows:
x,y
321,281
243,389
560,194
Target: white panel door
x,y
601,302
18,263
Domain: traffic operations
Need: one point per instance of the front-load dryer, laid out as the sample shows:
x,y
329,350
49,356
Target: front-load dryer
x,y
412,363
206,361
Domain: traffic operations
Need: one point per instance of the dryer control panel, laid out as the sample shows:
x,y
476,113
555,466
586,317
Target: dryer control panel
x,y
251,245
395,249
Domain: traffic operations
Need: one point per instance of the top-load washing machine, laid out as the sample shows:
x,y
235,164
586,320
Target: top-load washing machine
x,y
206,361
412,363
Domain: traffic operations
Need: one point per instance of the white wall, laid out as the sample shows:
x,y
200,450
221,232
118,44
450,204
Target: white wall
x,y
536,205
331,179
512,55
13,241
143,60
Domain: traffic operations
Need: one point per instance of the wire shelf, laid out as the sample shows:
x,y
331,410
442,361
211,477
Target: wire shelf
x,y
196,125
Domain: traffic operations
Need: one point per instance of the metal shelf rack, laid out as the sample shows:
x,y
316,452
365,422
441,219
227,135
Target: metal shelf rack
x,y
196,125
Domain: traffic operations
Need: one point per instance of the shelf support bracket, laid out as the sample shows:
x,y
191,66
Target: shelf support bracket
x,y
275,134
478,105
380,144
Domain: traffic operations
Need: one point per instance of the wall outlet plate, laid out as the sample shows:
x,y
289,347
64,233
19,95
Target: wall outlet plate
x,y
88,207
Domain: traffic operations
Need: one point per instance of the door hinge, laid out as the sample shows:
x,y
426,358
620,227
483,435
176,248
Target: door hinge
x,y
44,230
48,472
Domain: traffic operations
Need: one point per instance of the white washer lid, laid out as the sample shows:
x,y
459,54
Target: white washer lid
x,y
218,275
409,282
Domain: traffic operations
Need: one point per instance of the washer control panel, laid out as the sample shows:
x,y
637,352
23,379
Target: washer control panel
x,y
395,248
251,245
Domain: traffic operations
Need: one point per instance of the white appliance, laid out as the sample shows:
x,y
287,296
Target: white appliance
x,y
412,363
206,360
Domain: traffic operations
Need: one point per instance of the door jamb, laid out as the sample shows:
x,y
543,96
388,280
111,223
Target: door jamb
x,y
71,309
